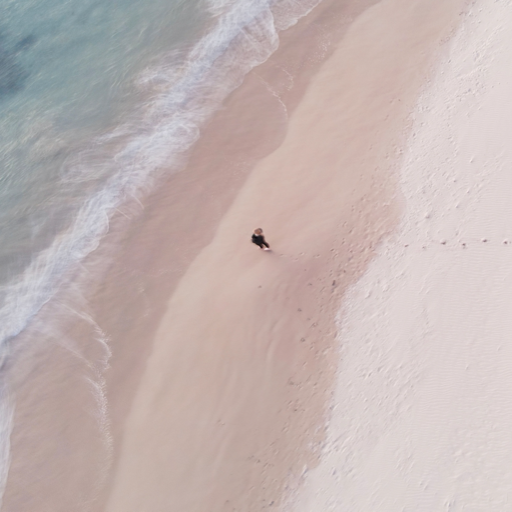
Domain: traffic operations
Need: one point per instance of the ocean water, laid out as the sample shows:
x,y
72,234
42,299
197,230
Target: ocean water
x,y
98,101
68,76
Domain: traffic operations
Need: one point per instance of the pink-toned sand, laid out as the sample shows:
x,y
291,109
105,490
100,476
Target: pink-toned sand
x,y
230,407
223,355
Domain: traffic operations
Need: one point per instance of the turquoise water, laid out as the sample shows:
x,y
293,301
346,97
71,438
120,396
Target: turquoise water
x,y
97,101
68,74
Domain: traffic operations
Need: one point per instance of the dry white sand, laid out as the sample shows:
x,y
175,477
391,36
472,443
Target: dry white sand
x,y
422,415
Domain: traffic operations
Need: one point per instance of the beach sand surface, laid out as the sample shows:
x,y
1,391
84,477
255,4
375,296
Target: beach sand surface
x,y
421,418
231,405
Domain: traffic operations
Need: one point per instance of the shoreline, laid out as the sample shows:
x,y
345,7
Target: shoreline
x,y
49,416
260,396
228,355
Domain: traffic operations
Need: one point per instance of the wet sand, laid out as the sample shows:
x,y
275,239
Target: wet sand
x,y
231,406
223,357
